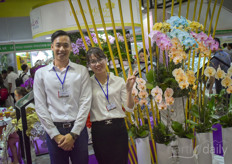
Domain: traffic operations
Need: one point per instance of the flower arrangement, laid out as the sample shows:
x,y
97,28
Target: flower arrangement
x,y
79,49
34,127
178,40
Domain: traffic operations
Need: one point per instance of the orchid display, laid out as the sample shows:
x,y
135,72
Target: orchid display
x,y
79,49
219,74
176,37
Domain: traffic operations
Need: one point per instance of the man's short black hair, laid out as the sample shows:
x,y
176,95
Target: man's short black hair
x,y
24,67
4,71
10,69
224,45
230,44
59,33
142,51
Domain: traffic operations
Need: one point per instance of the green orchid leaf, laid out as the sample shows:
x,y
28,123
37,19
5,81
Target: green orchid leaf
x,y
150,76
192,122
190,136
149,86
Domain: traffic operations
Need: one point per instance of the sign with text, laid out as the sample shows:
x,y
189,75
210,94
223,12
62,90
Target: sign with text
x,y
51,17
25,47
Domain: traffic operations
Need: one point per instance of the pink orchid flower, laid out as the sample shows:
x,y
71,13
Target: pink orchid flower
x,y
214,46
169,100
143,102
155,91
142,87
143,94
202,36
168,92
158,98
162,106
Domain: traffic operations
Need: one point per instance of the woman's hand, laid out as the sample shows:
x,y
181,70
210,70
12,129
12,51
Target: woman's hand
x,y
130,81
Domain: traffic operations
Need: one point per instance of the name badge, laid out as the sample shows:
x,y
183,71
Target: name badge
x,y
111,106
63,93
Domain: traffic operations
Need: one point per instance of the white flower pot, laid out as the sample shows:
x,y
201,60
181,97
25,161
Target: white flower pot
x,y
204,148
164,153
227,144
143,150
179,111
185,151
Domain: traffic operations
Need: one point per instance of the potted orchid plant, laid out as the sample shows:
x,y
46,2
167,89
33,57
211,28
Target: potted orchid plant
x,y
178,43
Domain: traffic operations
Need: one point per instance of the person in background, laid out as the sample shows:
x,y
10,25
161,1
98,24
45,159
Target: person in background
x,y
4,76
63,95
110,92
19,93
222,59
3,92
224,47
11,77
24,74
229,49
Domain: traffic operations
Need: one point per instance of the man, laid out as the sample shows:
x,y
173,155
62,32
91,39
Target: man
x,y
222,59
4,76
24,75
11,77
63,95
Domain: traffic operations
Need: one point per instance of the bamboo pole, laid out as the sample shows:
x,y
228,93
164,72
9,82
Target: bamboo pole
x,y
143,38
187,13
95,29
152,139
135,42
211,21
199,15
86,24
124,35
116,40
172,9
149,39
107,39
164,9
195,8
180,3
78,24
215,27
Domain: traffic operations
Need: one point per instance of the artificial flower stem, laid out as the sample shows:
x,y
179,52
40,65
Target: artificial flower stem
x,y
189,56
193,58
164,59
141,115
136,116
152,109
152,140
157,112
186,112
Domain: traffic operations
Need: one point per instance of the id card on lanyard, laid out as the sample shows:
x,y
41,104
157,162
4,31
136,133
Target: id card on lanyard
x,y
62,92
111,105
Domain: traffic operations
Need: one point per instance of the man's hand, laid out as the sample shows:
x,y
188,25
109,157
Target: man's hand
x,y
67,143
59,139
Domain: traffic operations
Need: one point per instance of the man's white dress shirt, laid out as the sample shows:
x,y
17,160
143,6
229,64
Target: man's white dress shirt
x,y
117,95
50,108
11,77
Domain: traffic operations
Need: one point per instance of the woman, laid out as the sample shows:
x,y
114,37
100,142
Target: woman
x,y
109,133
19,92
3,92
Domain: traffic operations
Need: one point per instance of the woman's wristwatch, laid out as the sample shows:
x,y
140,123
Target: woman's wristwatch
x,y
74,136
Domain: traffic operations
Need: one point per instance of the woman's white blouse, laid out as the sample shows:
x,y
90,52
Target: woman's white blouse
x,y
117,95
